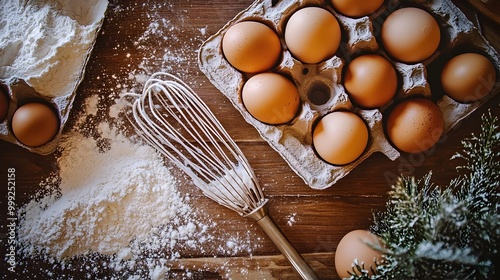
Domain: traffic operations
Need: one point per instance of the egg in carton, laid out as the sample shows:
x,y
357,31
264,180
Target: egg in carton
x,y
42,92
320,85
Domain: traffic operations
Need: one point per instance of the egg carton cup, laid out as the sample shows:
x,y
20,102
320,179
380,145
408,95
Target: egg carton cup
x,y
293,141
19,91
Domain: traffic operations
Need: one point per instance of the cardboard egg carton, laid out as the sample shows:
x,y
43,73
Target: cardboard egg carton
x,y
19,91
293,141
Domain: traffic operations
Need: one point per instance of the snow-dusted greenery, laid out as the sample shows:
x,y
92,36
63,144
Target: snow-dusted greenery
x,y
453,232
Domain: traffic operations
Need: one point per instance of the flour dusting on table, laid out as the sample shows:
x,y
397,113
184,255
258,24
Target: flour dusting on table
x,y
107,198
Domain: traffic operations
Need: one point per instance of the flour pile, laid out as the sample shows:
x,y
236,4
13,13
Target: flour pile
x,y
107,198
35,35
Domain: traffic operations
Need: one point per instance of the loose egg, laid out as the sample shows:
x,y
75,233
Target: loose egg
x,y
312,34
371,81
34,124
356,8
271,98
415,125
410,35
357,245
4,105
340,137
251,46
468,77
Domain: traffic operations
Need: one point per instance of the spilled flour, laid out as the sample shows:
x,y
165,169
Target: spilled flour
x,y
126,191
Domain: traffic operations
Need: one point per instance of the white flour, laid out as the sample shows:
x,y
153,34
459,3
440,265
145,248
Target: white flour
x,y
45,42
107,198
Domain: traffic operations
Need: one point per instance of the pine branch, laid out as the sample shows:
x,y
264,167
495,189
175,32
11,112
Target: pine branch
x,y
451,233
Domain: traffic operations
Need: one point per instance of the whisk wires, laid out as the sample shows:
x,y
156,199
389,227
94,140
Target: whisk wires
x,y
171,117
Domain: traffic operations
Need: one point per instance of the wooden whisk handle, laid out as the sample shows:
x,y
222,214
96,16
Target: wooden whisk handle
x,y
269,226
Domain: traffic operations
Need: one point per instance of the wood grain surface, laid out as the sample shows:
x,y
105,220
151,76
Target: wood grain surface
x,y
322,218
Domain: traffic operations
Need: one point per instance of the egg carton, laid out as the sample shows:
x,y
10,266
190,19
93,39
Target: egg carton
x,y
19,90
293,141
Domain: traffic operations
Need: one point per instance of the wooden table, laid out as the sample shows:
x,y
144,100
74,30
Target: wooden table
x,y
321,218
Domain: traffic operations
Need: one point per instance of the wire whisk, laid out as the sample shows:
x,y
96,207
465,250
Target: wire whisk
x,y
171,117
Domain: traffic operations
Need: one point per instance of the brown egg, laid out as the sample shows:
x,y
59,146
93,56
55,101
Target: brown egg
x,y
4,105
468,77
356,8
371,81
35,124
251,46
356,245
410,35
312,34
340,137
271,98
415,125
